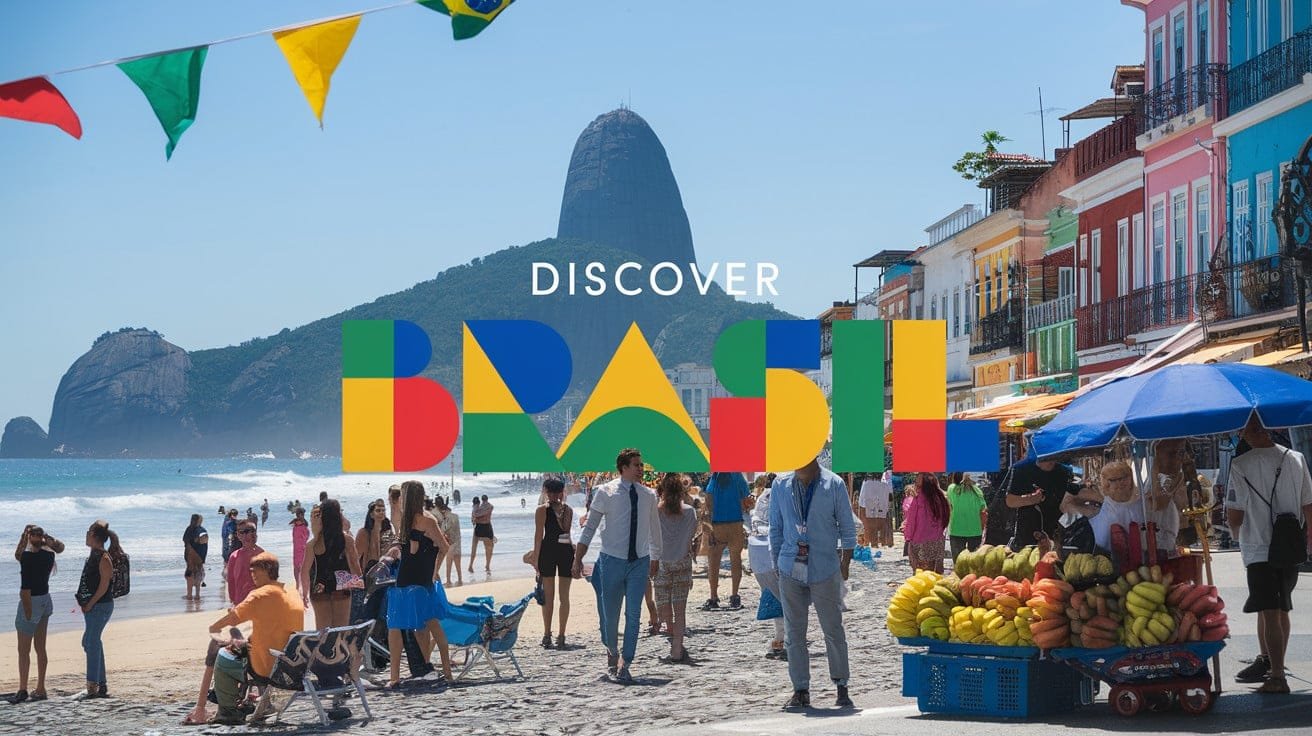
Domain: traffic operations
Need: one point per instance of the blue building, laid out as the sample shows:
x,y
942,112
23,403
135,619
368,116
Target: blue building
x,y
1269,86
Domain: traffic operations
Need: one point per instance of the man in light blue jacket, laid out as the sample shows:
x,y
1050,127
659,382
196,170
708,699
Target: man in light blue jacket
x,y
810,519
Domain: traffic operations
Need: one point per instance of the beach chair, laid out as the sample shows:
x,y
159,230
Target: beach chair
x,y
319,664
487,635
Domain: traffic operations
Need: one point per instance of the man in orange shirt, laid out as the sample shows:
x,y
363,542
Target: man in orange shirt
x,y
275,613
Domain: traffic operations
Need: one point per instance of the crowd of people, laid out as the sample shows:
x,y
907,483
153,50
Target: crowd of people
x,y
799,529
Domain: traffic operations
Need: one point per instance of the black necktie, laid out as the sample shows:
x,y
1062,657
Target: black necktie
x,y
633,522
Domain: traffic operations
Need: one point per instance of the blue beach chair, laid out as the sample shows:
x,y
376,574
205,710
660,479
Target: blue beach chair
x,y
485,633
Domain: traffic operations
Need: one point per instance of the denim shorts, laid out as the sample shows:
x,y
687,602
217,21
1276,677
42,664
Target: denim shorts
x,y
42,607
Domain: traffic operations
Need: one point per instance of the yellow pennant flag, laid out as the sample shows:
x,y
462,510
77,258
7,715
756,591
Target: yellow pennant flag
x,y
313,53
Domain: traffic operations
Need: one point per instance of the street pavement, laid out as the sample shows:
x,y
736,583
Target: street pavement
x,y
1237,710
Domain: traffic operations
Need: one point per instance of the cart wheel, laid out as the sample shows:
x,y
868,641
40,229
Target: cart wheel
x,y
1196,700
1160,701
1125,701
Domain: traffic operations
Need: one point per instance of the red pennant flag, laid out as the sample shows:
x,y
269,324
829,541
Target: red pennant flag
x,y
36,100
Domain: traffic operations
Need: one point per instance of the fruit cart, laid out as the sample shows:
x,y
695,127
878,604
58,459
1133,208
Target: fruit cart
x,y
1155,678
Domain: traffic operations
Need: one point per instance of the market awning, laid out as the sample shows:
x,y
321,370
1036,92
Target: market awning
x,y
1277,357
1218,352
1018,411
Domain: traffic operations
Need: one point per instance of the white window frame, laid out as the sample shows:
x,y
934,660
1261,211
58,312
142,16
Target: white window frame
x,y
1137,249
1202,224
1095,245
1065,281
1179,240
1240,204
1265,200
1156,81
1122,256
1286,19
1155,274
1200,44
1260,16
1180,14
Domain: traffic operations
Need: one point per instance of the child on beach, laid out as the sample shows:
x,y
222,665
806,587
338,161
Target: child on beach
x,y
36,560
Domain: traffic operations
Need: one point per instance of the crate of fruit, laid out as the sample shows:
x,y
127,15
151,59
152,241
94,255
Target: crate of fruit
x,y
992,686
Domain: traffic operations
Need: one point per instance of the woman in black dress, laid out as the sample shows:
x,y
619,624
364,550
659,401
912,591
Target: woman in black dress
x,y
417,601
554,554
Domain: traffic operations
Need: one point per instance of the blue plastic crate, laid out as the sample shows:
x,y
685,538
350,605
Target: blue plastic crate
x,y
1011,688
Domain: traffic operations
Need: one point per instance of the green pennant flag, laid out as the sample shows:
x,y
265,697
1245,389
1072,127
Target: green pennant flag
x,y
468,17
171,83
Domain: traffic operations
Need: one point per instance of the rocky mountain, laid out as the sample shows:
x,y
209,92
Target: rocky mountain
x,y
23,437
620,191
134,393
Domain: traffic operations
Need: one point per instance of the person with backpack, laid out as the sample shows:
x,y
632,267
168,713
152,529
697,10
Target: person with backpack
x,y
104,577
1269,507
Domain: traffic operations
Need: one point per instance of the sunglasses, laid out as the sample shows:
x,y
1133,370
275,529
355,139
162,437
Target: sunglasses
x,y
244,532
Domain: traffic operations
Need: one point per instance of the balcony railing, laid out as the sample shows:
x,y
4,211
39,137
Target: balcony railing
x,y
1109,146
1050,312
1270,72
1256,287
1190,89
1001,329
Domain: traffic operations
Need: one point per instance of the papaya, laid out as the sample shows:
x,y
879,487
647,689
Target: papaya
x,y
1204,605
1189,599
1216,634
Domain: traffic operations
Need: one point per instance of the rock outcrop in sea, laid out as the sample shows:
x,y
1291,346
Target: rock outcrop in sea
x,y
620,191
23,437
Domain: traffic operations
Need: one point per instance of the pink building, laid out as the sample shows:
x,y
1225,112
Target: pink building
x,y
1183,161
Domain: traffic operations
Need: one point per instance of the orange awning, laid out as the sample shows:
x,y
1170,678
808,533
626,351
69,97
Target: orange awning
x,y
1218,352
1019,409
1276,357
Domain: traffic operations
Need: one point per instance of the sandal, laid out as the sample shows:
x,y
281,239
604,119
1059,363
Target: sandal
x,y
41,695
1274,686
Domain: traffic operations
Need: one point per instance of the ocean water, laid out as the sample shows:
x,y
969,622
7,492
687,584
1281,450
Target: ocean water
x,y
148,503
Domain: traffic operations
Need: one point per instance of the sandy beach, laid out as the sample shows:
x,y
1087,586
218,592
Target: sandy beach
x,y
155,666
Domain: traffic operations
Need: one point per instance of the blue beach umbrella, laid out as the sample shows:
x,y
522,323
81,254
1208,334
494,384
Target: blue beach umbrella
x,y
1177,401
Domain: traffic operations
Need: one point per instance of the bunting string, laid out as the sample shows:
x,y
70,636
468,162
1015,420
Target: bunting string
x,y
170,79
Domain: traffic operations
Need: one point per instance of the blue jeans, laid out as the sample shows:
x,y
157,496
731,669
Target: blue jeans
x,y
96,620
625,581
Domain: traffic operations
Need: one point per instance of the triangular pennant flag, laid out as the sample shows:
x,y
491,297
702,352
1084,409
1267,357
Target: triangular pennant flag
x,y
313,53
468,17
37,101
171,83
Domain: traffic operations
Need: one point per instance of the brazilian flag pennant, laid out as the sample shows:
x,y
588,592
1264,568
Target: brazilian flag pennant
x,y
171,83
468,17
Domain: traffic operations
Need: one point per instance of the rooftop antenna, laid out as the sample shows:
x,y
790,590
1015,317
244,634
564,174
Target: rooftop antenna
x,y
1042,112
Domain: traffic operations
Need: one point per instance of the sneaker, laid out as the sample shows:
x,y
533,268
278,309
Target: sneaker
x,y
712,604
735,602
801,699
546,641
1255,672
843,700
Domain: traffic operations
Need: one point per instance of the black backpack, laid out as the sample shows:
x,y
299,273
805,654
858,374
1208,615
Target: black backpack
x,y
1288,538
121,584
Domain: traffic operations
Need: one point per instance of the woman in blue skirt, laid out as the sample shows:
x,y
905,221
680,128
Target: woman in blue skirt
x,y
417,601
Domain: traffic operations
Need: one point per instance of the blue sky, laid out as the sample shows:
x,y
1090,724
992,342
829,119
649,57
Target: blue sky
x,y
809,139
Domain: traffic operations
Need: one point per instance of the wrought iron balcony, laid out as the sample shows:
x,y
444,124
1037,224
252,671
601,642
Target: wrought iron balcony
x,y
1244,289
1270,72
1050,312
1001,329
1109,146
1188,90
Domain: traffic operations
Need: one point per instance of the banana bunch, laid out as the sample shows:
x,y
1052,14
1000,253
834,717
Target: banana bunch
x,y
1025,638
933,612
1080,566
1001,630
1148,623
968,624
987,560
1020,565
904,609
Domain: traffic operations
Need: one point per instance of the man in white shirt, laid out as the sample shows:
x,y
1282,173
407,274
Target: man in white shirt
x,y
1266,481
875,500
630,540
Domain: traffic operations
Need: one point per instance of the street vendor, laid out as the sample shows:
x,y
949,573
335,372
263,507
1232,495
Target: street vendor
x,y
1037,492
1168,493
1120,502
